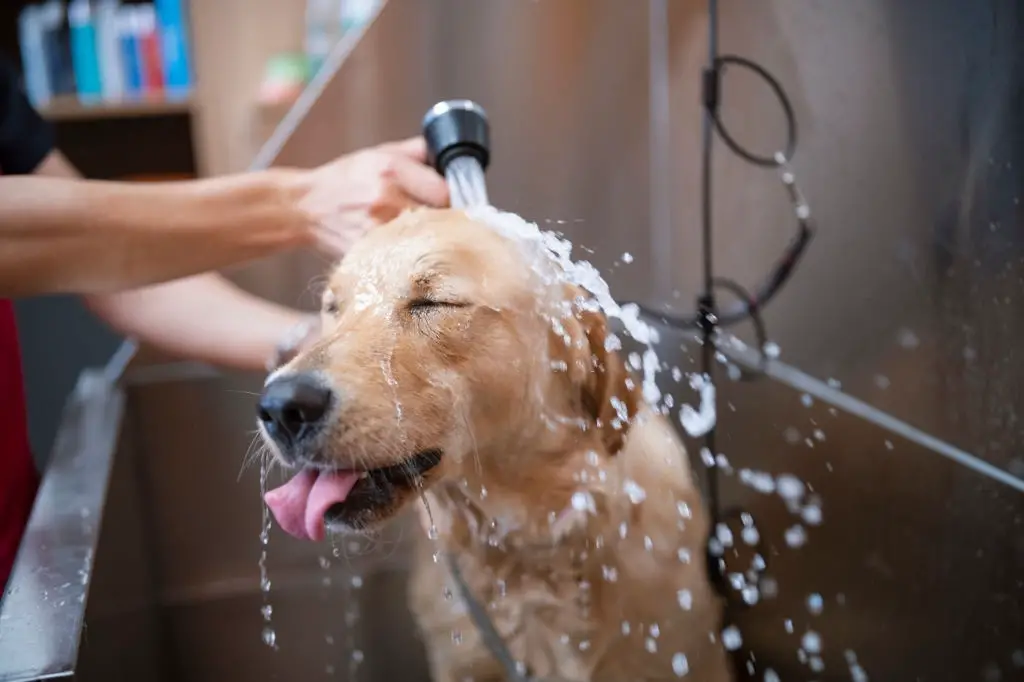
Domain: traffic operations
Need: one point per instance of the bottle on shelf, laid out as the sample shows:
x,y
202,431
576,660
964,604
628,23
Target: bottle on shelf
x,y
33,56
109,50
150,54
127,37
84,57
173,21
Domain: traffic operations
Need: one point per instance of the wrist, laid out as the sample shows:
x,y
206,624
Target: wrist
x,y
297,338
286,189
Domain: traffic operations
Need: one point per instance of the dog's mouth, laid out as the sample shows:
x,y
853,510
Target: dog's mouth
x,y
315,499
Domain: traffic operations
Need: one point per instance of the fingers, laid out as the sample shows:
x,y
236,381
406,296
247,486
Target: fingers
x,y
419,181
413,147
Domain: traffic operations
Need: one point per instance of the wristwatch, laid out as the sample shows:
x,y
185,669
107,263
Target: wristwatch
x,y
293,341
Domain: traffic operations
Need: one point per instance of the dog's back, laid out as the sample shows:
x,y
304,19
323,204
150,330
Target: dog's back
x,y
617,591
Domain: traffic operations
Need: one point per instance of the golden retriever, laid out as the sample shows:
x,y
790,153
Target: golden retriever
x,y
454,375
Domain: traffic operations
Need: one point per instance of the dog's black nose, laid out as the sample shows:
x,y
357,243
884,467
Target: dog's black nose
x,y
293,405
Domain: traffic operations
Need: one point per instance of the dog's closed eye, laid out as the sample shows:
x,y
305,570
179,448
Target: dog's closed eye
x,y
422,306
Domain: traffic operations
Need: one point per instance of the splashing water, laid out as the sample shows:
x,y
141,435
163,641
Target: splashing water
x,y
698,422
389,378
680,665
551,258
266,610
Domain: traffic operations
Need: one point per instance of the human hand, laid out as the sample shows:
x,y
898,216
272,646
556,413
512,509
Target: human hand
x,y
369,187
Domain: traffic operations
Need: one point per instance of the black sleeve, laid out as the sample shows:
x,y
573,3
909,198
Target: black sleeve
x,y
25,138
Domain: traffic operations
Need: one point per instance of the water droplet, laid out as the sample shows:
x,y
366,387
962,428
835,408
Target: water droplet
x,y
610,573
627,257
634,492
771,349
685,598
625,628
680,666
329,639
684,555
583,501
357,656
908,339
788,624
357,581
447,593
648,543
655,631
269,637
457,636
432,532
796,536
267,610
731,638
815,604
790,487
771,676
889,445
750,536
584,644
811,642
811,515
650,645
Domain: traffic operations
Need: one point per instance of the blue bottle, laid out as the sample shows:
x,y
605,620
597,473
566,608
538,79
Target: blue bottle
x,y
84,56
173,27
128,43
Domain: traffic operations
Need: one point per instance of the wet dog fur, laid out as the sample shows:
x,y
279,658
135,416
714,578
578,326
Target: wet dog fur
x,y
568,502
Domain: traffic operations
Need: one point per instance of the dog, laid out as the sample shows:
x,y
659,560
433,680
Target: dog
x,y
457,376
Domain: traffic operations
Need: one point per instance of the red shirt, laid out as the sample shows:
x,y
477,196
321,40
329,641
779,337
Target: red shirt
x,y
25,141
18,477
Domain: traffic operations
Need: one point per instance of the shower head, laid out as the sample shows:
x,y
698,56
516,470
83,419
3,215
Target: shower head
x,y
456,128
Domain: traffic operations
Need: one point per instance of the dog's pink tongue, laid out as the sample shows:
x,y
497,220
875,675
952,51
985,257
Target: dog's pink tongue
x,y
300,504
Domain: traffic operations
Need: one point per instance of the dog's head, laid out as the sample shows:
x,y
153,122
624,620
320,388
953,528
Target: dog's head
x,y
446,353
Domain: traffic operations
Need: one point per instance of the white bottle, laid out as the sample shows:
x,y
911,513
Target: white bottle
x,y
109,47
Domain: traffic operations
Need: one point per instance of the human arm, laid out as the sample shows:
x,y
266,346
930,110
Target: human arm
x,y
204,317
61,235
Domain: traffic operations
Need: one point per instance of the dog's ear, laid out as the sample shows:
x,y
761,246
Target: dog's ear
x,y
608,394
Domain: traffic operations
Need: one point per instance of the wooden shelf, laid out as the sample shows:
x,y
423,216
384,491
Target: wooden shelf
x,y
68,108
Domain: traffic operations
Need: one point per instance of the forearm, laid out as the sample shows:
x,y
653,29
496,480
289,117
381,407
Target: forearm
x,y
204,317
74,236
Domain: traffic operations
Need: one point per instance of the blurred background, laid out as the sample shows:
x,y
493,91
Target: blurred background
x,y
896,398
